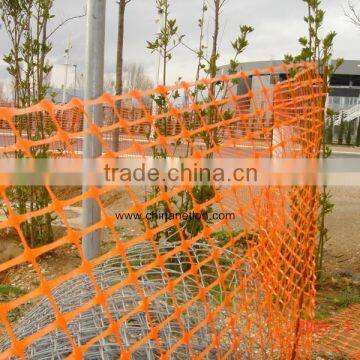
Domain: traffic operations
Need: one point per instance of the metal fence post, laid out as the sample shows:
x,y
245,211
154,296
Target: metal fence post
x,y
94,87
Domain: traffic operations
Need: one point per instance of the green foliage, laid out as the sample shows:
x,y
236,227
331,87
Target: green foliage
x,y
164,44
223,236
329,129
200,52
165,38
27,23
168,38
358,135
318,48
348,133
228,114
329,132
341,132
9,292
240,239
314,46
239,45
324,201
346,298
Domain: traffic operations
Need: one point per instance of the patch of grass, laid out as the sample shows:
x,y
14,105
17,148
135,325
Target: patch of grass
x,y
322,313
331,300
15,314
334,294
217,294
324,282
346,297
106,247
9,292
224,236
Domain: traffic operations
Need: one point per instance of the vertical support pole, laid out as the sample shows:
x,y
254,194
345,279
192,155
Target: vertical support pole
x,y
67,57
94,87
75,80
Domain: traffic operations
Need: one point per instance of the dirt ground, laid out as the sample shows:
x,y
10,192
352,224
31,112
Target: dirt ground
x,y
340,284
342,251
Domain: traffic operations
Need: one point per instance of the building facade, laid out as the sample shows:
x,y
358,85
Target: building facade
x,y
344,84
344,94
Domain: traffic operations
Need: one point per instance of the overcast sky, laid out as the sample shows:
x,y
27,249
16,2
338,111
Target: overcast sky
x,y
278,24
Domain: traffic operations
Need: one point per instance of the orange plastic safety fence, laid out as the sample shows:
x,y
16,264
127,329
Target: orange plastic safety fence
x,y
339,334
231,288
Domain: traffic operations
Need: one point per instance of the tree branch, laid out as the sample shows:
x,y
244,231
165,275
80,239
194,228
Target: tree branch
x,y
222,3
64,22
194,51
352,14
126,2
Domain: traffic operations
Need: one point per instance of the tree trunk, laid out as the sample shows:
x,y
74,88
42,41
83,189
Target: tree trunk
x,y
119,67
215,39
213,59
198,69
165,54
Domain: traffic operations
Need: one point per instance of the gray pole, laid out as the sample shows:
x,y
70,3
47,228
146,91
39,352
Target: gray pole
x,y
67,56
75,79
94,87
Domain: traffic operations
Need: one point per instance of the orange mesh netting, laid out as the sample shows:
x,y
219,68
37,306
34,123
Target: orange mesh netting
x,y
231,288
340,334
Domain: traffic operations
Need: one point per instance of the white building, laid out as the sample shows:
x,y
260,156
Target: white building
x,y
344,95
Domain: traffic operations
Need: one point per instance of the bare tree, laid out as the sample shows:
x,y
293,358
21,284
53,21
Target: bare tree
x,y
120,47
217,6
135,78
200,53
119,64
239,45
353,14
